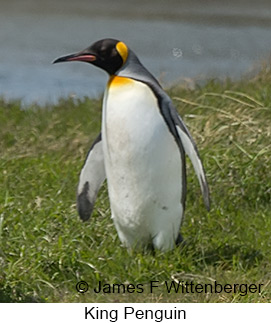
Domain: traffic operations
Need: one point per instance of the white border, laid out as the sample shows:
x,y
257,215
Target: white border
x,y
75,313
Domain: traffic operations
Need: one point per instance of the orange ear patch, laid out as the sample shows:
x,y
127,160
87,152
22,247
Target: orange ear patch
x,y
122,50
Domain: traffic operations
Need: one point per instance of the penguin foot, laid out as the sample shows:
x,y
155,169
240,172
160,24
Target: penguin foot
x,y
180,240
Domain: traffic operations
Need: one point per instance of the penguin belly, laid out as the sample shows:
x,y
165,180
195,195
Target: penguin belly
x,y
143,166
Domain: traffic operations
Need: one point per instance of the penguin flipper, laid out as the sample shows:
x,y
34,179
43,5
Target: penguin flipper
x,y
91,178
191,150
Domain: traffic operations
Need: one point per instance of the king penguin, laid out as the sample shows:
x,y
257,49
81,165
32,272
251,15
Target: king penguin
x,y
140,151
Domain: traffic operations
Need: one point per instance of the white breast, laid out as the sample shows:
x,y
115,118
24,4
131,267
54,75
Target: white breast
x,y
143,167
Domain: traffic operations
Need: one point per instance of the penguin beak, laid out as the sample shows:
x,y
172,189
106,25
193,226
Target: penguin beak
x,y
83,56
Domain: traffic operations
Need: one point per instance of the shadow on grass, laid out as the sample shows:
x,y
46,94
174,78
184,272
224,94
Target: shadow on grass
x,y
231,255
6,296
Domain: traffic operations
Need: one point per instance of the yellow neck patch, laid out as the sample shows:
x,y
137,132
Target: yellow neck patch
x,y
122,50
117,81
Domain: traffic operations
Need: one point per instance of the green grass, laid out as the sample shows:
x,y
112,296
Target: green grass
x,y
45,249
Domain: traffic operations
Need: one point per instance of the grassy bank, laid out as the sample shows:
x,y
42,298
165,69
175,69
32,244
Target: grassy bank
x,y
45,249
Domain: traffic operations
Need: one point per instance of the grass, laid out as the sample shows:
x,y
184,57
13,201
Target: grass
x,y
45,249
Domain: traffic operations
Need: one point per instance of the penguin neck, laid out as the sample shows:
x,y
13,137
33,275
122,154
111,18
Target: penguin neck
x,y
133,69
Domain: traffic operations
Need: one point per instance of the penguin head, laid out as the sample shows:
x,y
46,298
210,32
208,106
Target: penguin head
x,y
108,54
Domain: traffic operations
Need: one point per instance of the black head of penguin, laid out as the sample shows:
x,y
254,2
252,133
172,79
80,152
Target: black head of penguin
x,y
108,54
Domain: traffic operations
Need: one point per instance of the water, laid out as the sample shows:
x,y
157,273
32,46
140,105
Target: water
x,y
176,40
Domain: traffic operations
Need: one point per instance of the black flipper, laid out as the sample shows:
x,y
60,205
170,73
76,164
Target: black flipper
x,y
185,142
91,178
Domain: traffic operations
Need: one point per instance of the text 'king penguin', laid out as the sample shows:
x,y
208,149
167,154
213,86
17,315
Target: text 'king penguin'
x,y
140,150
